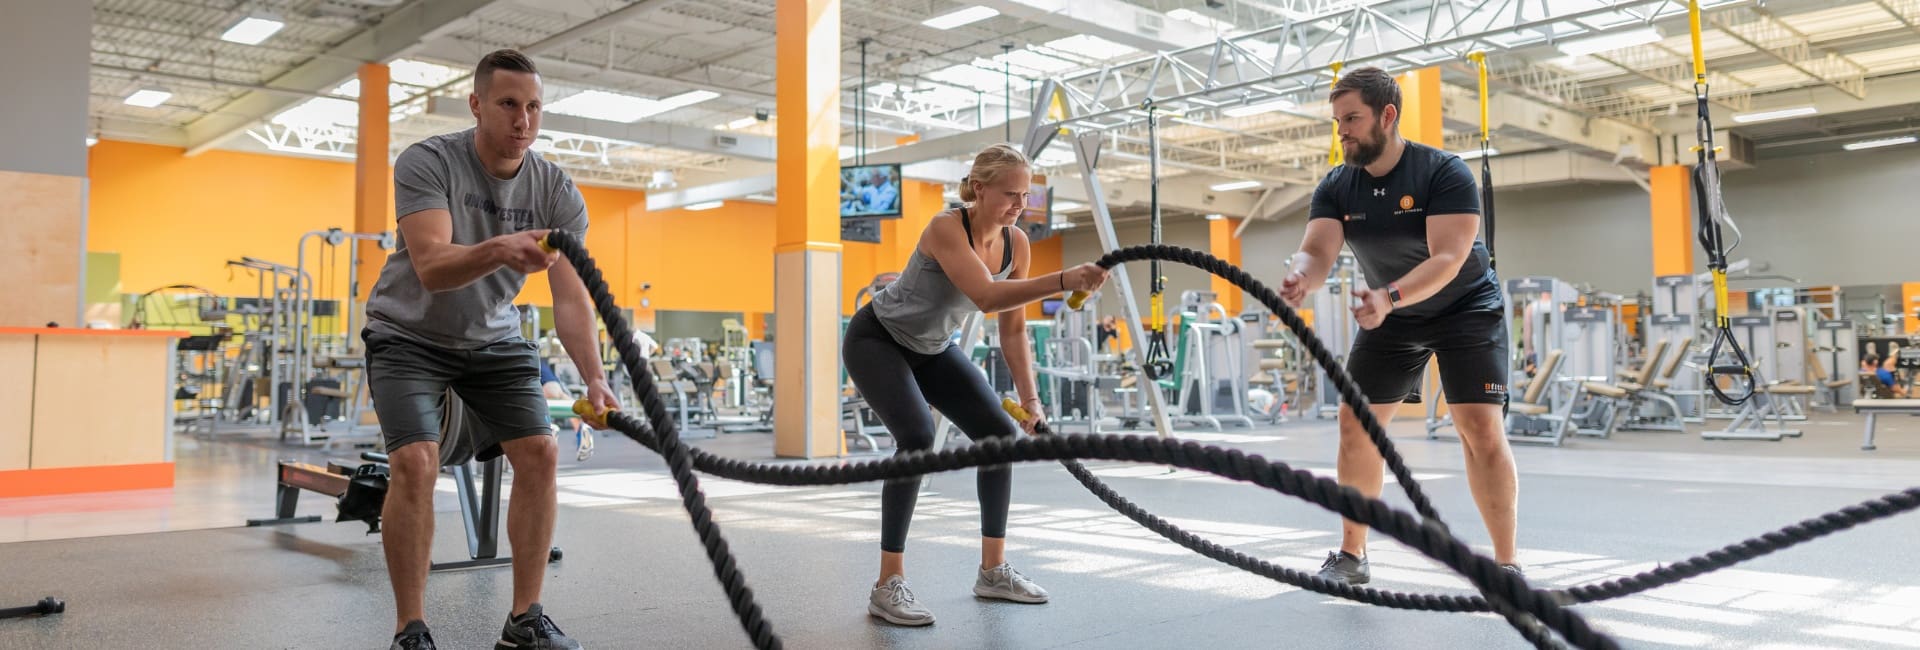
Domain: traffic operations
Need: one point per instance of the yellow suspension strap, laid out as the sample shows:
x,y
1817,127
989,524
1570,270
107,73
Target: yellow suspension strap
x,y
1334,158
1713,213
1486,152
1158,363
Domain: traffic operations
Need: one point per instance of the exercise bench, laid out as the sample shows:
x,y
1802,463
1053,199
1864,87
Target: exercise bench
x,y
1874,407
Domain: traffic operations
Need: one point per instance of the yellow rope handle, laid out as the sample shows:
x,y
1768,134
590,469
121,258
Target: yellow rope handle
x,y
1480,60
1699,60
1334,158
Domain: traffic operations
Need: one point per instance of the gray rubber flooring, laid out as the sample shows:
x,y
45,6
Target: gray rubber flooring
x,y
634,575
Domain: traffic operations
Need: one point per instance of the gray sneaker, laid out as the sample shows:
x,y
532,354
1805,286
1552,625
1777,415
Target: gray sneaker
x,y
1342,566
413,637
1006,583
894,602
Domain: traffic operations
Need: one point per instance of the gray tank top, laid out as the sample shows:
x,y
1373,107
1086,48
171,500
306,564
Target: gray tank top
x,y
922,308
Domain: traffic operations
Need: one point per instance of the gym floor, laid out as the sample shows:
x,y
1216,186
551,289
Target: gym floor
x,y
176,568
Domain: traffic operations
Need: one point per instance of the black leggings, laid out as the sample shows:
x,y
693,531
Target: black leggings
x,y
899,385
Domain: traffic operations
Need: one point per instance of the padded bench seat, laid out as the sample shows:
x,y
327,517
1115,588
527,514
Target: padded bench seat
x,y
1874,407
1604,390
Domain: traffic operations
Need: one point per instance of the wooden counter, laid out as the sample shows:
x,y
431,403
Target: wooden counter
x,y
85,410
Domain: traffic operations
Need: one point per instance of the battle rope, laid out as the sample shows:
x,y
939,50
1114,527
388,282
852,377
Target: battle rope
x,y
1427,537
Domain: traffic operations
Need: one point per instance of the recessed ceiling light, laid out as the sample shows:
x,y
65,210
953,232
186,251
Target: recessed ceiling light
x,y
148,97
965,16
253,29
1235,185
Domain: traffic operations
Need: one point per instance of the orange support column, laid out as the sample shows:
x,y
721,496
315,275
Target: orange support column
x,y
1420,107
1227,247
1673,240
373,176
1910,306
806,249
1420,122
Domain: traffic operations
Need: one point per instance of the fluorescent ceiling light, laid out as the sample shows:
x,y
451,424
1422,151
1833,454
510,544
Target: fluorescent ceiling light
x,y
965,16
769,198
1613,41
1256,109
708,205
252,30
92,141
1092,47
1475,153
1781,114
742,122
1235,185
617,107
1065,206
1063,225
1884,142
148,97
970,76
1215,216
1194,17
1031,60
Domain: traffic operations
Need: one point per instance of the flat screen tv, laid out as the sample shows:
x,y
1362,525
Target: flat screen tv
x,y
1037,217
870,192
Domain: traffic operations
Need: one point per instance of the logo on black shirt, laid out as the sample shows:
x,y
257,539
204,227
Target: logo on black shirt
x,y
1379,191
1406,202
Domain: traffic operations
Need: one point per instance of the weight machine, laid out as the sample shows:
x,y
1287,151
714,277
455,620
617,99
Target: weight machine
x,y
313,354
1333,322
1209,364
265,348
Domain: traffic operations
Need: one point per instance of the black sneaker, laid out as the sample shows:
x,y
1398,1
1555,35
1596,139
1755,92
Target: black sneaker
x,y
1342,566
1515,568
413,637
533,631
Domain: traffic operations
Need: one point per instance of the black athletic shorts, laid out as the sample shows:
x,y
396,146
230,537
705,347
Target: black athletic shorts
x,y
498,384
1389,361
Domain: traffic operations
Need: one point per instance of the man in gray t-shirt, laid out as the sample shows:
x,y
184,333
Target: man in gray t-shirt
x,y
472,209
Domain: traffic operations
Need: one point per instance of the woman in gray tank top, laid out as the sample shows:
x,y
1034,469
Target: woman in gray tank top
x,y
900,356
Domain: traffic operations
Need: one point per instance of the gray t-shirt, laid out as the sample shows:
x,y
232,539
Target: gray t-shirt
x,y
445,172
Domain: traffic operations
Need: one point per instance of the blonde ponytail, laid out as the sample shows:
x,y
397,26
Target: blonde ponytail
x,y
988,165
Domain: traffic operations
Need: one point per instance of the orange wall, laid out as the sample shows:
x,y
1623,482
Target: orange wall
x,y
711,260
177,220
1910,303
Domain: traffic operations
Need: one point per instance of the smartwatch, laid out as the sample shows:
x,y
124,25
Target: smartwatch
x,y
1393,293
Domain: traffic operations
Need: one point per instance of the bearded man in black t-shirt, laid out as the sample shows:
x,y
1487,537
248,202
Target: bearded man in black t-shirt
x,y
1411,214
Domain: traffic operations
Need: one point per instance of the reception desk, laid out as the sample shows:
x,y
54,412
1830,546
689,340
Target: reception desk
x,y
85,410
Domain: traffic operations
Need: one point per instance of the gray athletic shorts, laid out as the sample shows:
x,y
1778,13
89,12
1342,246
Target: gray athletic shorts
x,y
499,385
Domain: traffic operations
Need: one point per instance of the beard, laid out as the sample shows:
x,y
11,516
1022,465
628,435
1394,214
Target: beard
x,y
1364,153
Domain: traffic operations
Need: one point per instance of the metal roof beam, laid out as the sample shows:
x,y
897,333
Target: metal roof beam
x,y
393,35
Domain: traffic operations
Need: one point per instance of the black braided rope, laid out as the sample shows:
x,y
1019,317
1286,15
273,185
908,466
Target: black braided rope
x,y
1349,391
1520,605
1544,604
1226,463
669,445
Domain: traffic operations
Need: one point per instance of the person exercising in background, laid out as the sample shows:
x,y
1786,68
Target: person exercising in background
x,y
900,355
1411,213
473,207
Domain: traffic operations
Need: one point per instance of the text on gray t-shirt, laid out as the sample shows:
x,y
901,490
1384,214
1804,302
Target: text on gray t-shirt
x,y
444,172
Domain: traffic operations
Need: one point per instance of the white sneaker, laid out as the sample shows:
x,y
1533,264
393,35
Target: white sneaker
x,y
894,602
1006,583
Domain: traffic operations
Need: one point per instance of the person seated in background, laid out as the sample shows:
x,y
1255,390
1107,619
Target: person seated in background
x,y
1108,331
1882,370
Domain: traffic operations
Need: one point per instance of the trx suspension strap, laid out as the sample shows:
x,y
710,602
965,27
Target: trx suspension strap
x,y
1713,213
1333,153
1157,364
1486,151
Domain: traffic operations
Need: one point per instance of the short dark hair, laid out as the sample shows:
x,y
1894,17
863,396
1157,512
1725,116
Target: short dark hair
x,y
508,59
1377,89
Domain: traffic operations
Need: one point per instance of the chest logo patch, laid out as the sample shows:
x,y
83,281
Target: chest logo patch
x,y
1379,191
1406,202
